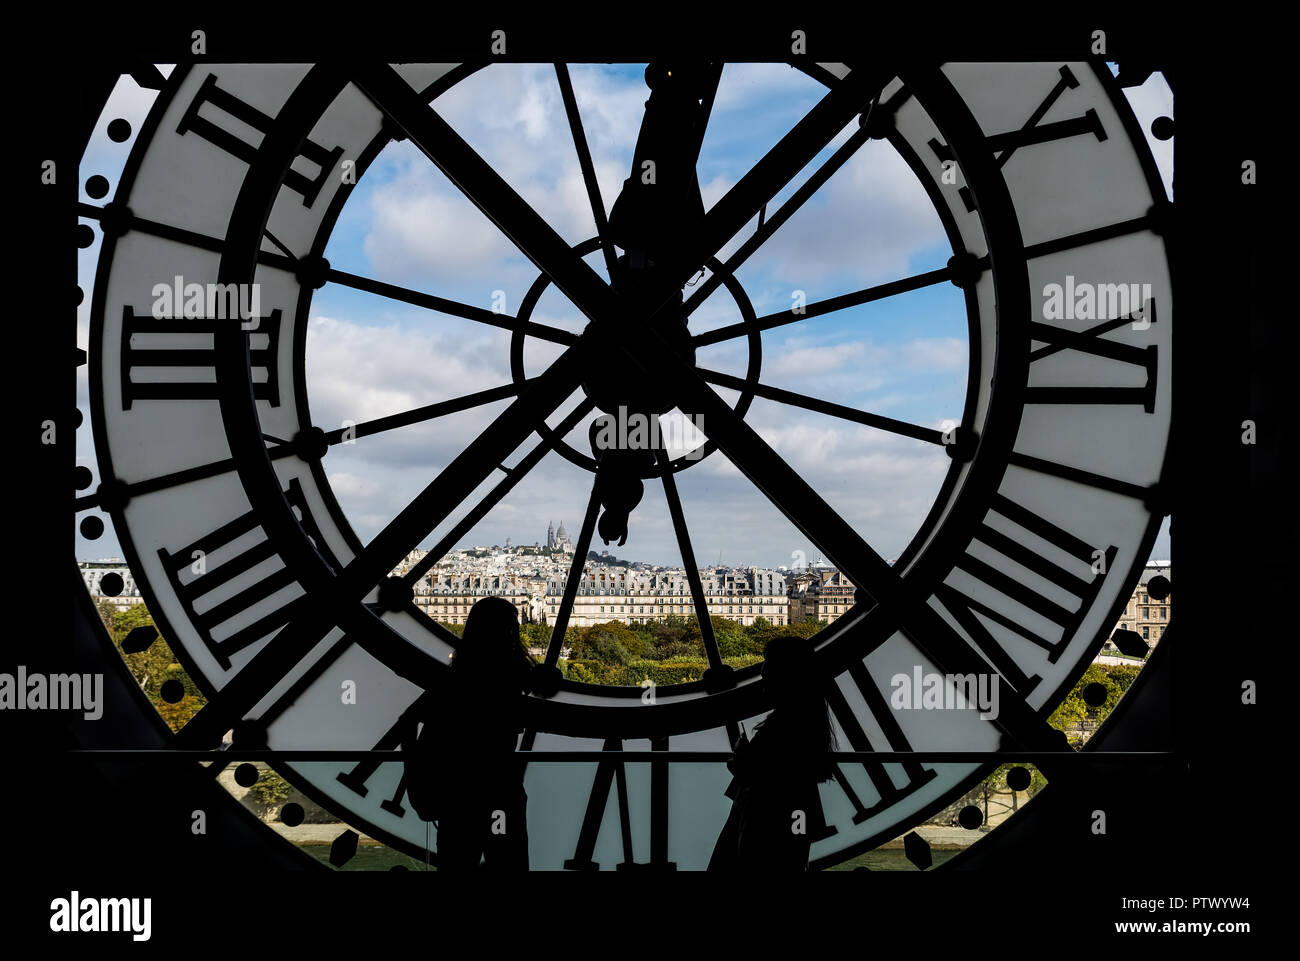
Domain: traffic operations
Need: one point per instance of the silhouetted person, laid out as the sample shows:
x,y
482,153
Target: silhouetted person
x,y
464,771
776,811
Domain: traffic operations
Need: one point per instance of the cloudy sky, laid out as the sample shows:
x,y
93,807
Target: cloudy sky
x,y
406,224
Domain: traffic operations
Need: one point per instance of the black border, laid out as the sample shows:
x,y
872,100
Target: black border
x,y
1220,492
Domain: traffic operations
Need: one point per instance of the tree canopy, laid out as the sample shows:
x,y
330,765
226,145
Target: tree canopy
x,y
154,666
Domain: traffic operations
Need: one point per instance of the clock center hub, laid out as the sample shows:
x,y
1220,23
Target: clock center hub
x,y
613,379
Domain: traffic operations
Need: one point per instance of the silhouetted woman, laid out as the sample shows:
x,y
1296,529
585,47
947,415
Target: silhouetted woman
x,y
776,812
464,770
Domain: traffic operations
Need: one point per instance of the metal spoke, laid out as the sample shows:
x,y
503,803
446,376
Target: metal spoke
x,y
575,576
485,188
588,168
371,286
332,437
458,479
688,560
865,296
770,224
418,415
503,487
479,314
782,484
779,166
927,434
125,221
706,105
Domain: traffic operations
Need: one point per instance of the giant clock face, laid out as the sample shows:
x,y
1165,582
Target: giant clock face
x,y
211,466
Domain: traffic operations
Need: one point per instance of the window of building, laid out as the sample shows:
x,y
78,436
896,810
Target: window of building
x,y
1146,612
1146,632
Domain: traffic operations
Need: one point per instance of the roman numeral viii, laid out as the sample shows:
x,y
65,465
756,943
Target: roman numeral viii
x,y
858,679
1002,597
195,578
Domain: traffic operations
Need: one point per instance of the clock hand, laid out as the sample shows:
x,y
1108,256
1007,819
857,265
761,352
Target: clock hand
x,y
765,179
660,200
769,472
779,165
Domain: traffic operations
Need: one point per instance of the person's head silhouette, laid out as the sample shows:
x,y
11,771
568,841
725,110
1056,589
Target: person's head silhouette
x,y
788,677
799,709
490,648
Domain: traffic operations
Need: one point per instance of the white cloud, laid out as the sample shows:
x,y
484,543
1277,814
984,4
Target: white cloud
x,y
936,353
744,85
818,360
426,229
347,485
868,223
360,372
422,227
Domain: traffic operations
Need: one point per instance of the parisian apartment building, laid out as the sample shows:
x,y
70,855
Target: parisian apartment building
x,y
1145,613
819,594
609,592
635,597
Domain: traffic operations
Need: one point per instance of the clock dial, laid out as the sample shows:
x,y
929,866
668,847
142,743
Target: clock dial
x,y
212,465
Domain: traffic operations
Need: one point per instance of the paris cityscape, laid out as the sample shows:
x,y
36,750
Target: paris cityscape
x,y
533,576
867,648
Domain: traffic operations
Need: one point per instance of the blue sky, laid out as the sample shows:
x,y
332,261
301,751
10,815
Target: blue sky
x,y
405,224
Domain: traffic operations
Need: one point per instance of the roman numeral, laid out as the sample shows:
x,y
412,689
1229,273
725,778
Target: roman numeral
x,y
1090,341
1034,131
355,780
210,93
895,740
1099,481
1008,589
191,357
192,592
613,773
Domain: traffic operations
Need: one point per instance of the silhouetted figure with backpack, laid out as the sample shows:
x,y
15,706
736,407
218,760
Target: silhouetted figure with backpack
x,y
776,811
463,770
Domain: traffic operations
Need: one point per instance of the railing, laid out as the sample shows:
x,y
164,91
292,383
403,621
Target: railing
x,y
707,757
